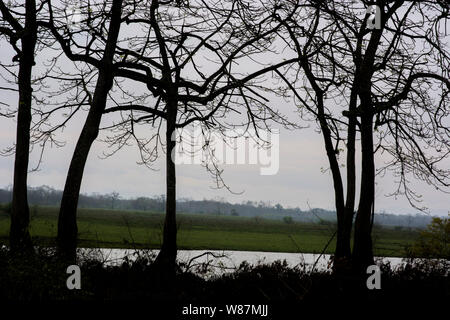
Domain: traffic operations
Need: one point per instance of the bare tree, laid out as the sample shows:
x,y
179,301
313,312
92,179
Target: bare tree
x,y
20,27
163,57
405,59
321,85
379,79
187,91
99,53
114,197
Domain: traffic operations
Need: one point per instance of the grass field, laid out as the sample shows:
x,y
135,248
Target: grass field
x,y
138,229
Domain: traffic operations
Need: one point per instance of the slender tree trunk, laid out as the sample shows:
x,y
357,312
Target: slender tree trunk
x,y
168,253
362,248
343,254
342,250
20,212
67,220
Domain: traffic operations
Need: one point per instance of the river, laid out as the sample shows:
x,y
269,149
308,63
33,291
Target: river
x,y
227,260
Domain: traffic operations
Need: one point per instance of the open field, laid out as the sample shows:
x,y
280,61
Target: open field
x,y
139,229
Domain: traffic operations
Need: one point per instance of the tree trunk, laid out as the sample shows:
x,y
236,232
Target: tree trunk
x,y
341,251
67,222
168,253
362,248
342,247
20,212
343,254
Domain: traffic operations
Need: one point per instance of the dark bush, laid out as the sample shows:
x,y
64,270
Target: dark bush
x,y
42,277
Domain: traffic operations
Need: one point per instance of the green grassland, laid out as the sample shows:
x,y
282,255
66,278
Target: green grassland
x,y
139,229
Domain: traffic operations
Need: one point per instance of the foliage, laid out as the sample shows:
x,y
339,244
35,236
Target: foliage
x,y
434,242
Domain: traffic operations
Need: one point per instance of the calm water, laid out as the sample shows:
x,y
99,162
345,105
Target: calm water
x,y
227,261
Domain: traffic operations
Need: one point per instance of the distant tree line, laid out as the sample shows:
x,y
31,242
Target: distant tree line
x,y
48,196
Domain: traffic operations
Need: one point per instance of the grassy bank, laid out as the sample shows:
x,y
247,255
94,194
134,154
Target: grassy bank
x,y
138,229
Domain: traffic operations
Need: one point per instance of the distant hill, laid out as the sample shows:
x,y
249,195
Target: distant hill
x,y
48,196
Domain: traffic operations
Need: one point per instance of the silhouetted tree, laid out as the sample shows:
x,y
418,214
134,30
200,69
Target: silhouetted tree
x,y
101,26
187,92
114,197
321,79
395,102
18,24
380,81
163,57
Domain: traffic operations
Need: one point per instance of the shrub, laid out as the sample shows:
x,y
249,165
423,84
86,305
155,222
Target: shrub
x,y
434,242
